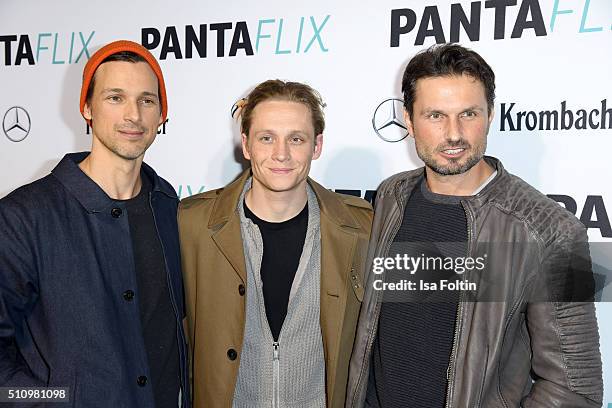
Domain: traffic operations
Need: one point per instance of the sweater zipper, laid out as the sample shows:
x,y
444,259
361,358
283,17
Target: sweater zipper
x,y
275,374
451,370
268,331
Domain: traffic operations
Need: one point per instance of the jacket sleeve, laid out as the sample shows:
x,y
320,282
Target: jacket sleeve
x,y
18,293
564,335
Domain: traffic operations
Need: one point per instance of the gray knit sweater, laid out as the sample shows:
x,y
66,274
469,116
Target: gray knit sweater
x,y
290,373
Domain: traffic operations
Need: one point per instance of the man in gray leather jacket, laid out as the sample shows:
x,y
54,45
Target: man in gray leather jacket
x,y
532,340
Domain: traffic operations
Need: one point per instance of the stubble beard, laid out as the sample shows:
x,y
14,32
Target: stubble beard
x,y
454,166
126,150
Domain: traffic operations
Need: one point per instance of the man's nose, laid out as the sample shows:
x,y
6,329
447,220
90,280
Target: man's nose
x,y
131,111
281,150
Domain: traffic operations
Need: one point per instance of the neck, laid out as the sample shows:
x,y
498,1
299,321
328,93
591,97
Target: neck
x,y
119,178
463,184
275,206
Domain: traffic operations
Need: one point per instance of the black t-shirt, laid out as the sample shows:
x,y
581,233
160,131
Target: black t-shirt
x,y
156,312
283,243
412,348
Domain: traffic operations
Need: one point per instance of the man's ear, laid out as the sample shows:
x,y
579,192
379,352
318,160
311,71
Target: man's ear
x,y
87,111
245,146
408,121
318,146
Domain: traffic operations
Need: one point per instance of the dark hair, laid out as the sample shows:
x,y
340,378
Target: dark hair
x,y
447,60
126,56
285,91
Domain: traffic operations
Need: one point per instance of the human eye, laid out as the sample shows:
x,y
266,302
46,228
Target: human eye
x,y
434,115
469,114
114,98
265,138
297,139
148,101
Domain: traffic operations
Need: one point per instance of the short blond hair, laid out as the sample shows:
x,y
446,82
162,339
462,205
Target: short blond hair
x,y
275,89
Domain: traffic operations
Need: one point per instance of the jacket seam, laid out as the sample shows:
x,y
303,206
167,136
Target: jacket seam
x,y
563,356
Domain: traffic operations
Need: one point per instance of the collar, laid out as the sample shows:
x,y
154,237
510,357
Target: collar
x,y
484,183
407,180
330,203
88,193
491,185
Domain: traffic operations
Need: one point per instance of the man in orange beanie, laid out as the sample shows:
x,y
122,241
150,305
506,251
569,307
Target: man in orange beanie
x,y
91,296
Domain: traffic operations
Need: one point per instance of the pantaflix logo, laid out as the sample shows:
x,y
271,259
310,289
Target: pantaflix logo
x,y
529,19
276,36
52,48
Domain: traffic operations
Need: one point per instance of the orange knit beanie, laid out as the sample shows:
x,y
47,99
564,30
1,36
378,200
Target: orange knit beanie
x,y
113,48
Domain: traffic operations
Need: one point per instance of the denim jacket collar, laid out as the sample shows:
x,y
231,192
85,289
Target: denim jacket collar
x,y
87,192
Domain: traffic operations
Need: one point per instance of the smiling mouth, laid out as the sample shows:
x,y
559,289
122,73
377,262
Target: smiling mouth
x,y
281,171
453,152
131,133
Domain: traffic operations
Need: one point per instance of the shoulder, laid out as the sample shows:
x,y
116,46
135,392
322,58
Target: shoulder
x,y
34,196
195,212
27,206
200,201
166,187
389,184
544,216
358,209
355,202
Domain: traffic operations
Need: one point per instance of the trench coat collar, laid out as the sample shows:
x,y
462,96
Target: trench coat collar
x,y
330,203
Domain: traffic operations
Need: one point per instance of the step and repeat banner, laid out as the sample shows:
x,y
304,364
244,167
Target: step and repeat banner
x,y
552,60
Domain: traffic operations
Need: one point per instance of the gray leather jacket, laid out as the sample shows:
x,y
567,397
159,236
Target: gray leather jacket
x,y
509,353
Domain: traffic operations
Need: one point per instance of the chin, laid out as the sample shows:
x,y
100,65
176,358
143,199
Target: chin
x,y
282,188
279,187
129,155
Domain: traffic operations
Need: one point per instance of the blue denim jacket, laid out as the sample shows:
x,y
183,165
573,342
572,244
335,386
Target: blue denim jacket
x,y
65,262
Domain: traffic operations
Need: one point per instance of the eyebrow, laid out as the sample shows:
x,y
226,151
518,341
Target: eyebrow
x,y
147,93
290,133
469,108
474,108
110,90
119,90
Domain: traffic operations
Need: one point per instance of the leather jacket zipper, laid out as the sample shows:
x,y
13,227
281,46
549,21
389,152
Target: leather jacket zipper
x,y
451,370
393,232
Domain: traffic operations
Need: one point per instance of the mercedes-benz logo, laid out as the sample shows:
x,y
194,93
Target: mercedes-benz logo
x,y
16,123
387,121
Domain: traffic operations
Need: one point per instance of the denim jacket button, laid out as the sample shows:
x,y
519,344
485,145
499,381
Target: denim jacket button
x,y
128,295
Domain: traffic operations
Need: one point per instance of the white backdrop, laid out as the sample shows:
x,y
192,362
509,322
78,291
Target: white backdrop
x,y
546,52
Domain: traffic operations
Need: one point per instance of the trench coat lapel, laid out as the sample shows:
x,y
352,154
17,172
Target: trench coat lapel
x,y
225,223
